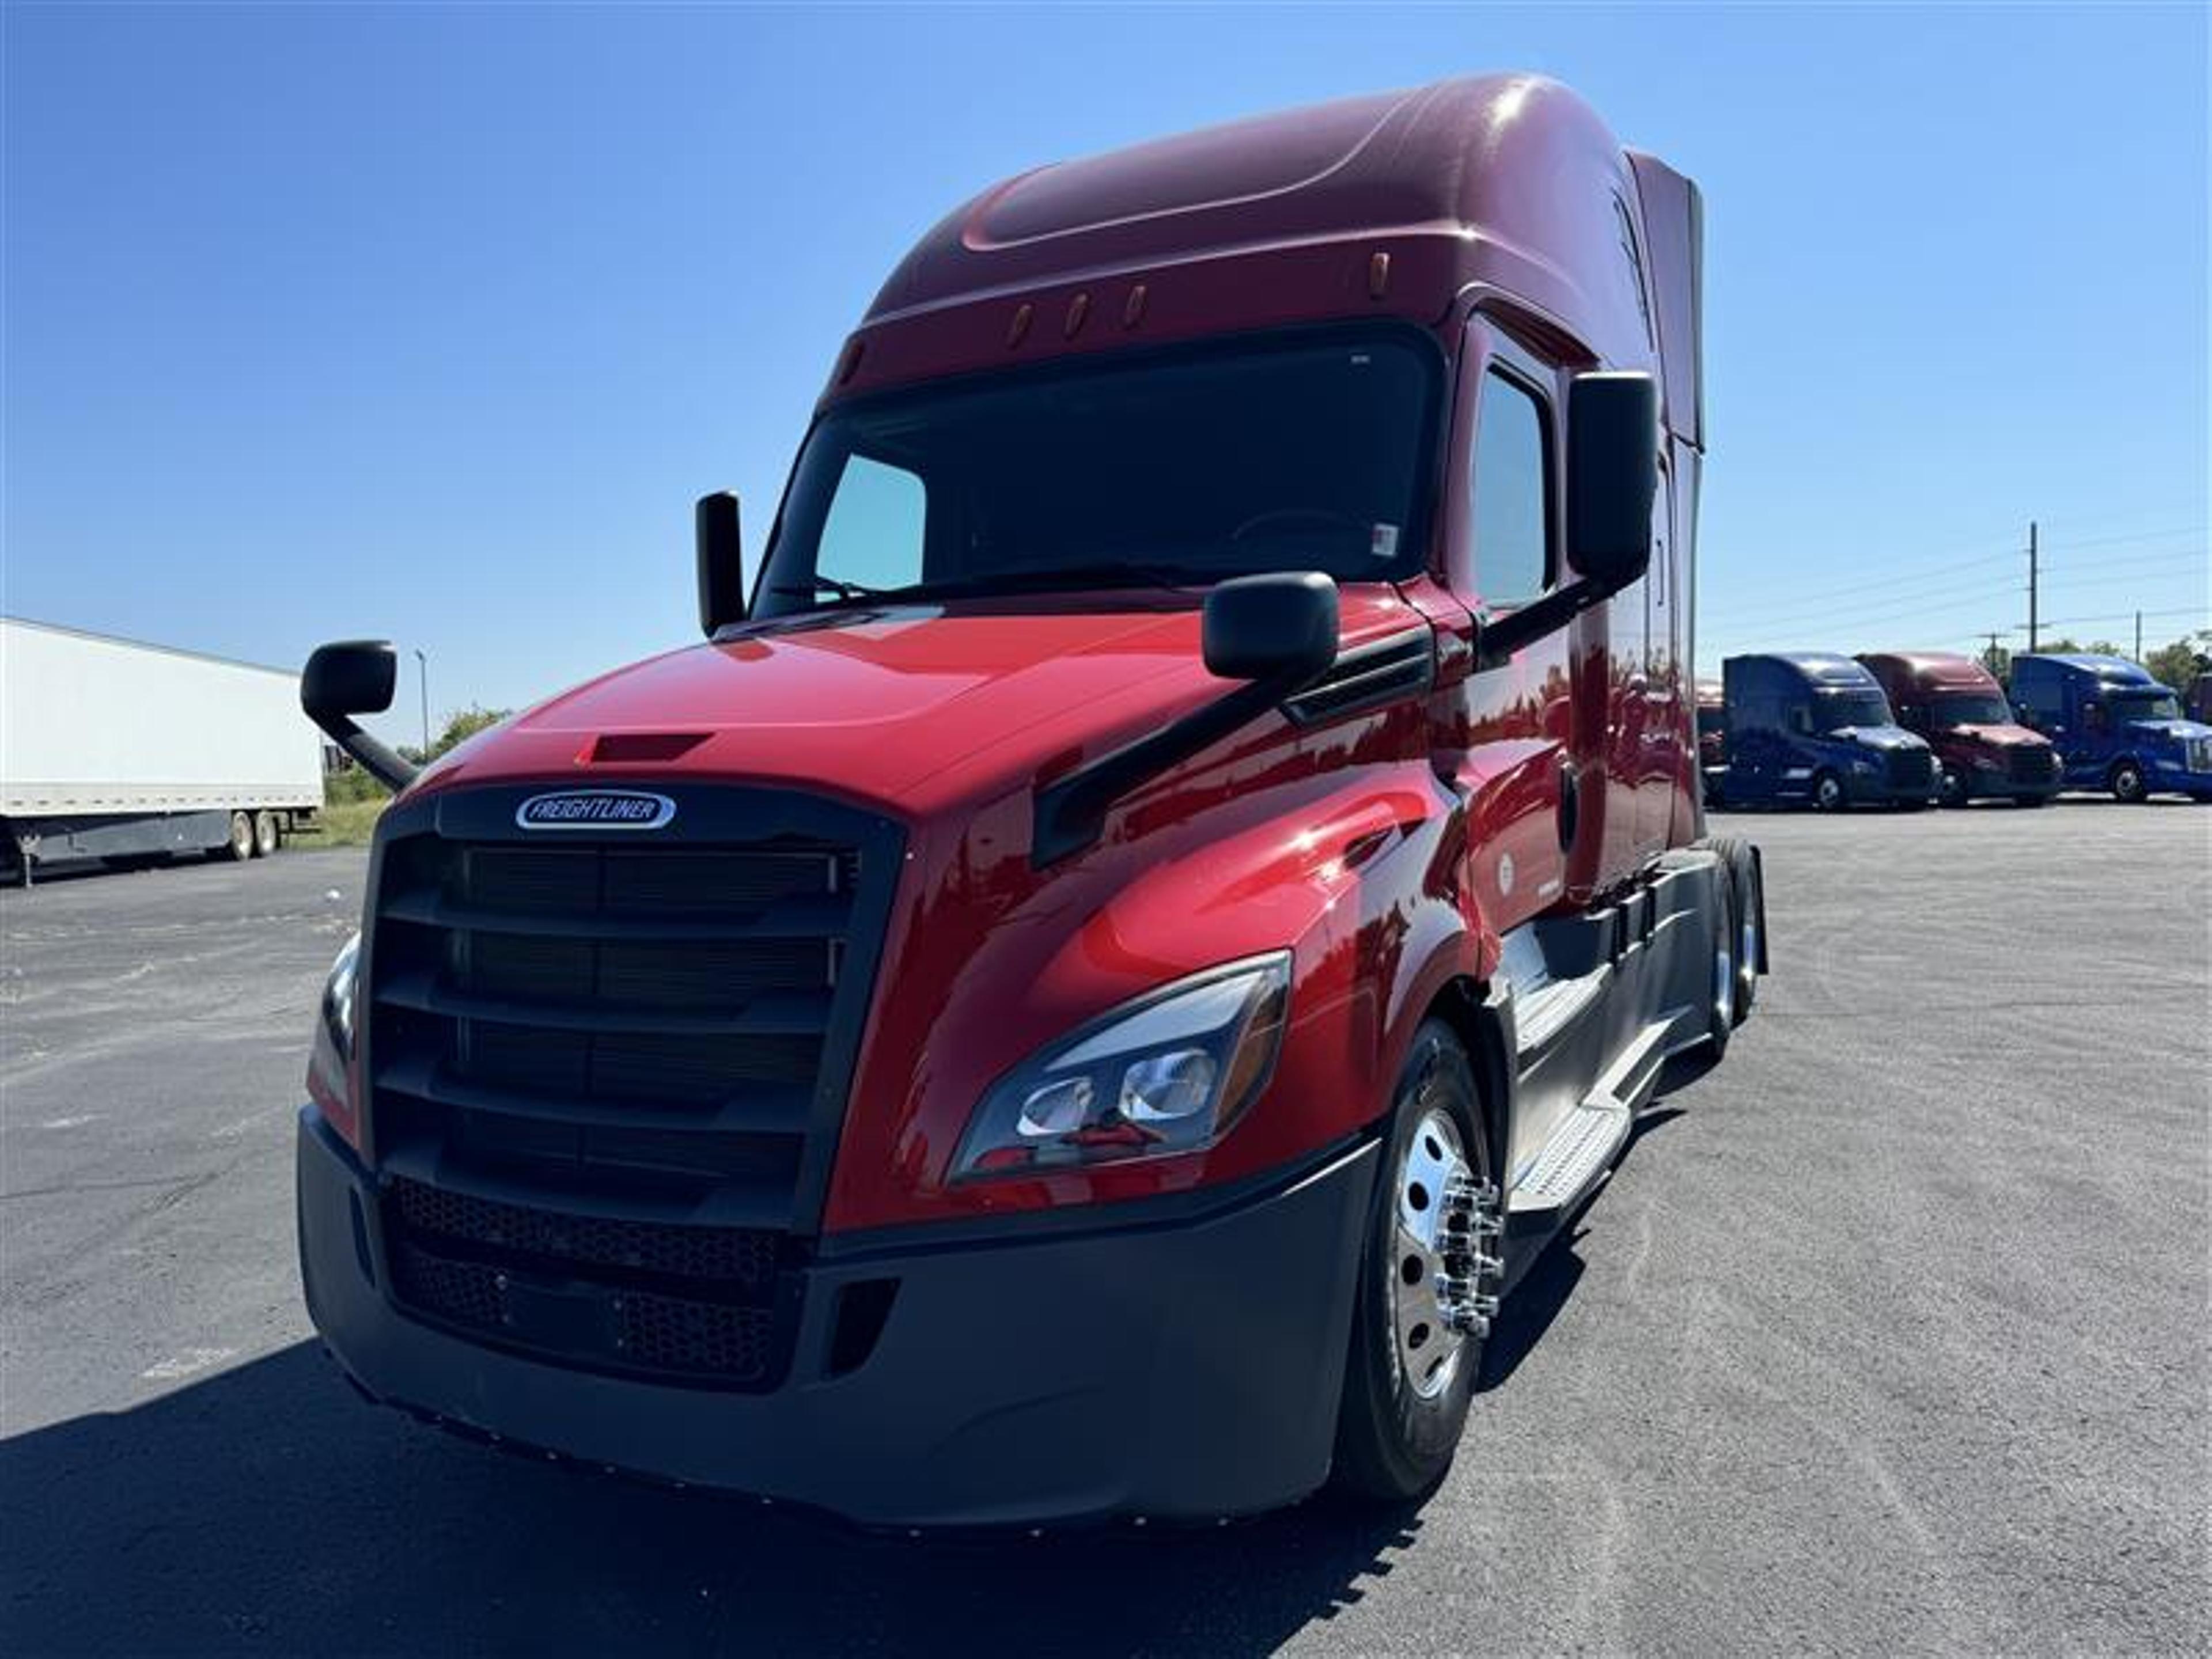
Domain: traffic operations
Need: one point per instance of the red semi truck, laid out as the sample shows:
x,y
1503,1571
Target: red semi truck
x,y
1082,994
1982,750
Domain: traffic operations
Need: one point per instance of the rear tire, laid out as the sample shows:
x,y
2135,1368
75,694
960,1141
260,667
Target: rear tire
x,y
239,847
1408,1379
265,838
1828,794
2128,783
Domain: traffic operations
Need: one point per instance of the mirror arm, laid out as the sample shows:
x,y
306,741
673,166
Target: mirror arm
x,y
1495,642
1071,810
395,772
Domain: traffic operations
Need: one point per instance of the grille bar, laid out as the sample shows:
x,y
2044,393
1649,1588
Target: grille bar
x,y
794,918
763,1110
792,1013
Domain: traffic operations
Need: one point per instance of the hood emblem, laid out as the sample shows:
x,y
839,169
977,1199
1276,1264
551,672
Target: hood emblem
x,y
595,809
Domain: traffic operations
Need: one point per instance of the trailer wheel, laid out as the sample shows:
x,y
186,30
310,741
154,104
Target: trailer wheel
x,y
1828,794
265,839
238,846
1746,903
1428,1277
2128,783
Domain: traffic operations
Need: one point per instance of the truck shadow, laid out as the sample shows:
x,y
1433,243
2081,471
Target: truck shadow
x,y
268,1509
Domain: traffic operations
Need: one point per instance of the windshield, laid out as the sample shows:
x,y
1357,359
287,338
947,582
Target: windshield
x,y
1839,709
1712,722
2158,705
1301,454
1971,708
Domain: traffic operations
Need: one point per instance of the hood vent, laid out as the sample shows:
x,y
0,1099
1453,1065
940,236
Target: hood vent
x,y
634,748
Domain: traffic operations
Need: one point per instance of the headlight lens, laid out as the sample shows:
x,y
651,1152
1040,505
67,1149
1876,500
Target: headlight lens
x,y
337,994
328,1064
1170,1073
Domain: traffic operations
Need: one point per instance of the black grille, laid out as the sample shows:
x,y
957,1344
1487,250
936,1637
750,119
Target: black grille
x,y
737,1255
603,1074
645,1016
1911,768
2032,763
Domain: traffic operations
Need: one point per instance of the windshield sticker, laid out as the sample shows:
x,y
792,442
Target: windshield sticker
x,y
1383,542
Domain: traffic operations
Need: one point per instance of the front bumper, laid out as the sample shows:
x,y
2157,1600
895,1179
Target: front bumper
x,y
1860,789
1185,1367
2002,785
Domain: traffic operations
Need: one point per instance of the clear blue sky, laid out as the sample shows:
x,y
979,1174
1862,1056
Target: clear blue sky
x,y
429,321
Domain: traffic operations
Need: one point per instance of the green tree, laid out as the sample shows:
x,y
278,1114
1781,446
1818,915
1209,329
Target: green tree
x,y
2182,661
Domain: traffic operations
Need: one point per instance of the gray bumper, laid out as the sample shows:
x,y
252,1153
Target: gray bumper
x,y
1186,1367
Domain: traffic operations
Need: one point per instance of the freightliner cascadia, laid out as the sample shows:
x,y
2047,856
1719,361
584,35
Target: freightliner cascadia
x,y
1172,880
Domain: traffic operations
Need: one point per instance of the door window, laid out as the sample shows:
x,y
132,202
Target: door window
x,y
1512,495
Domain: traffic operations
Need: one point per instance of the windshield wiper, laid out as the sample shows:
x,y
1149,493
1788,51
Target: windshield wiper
x,y
1103,574
814,585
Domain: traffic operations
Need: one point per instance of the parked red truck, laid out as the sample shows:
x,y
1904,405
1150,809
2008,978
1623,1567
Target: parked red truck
x,y
1981,748
1080,997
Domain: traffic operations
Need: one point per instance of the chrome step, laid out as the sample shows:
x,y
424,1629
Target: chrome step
x,y
1572,1161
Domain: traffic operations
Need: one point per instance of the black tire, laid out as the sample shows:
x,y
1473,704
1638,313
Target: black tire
x,y
2128,782
2031,800
1829,794
1951,788
239,845
1747,909
265,838
1392,1443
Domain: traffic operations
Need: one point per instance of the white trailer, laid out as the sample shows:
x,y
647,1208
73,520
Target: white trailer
x,y
114,750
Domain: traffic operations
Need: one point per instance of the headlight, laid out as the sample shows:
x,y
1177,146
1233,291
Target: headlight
x,y
1865,767
333,1051
1169,1073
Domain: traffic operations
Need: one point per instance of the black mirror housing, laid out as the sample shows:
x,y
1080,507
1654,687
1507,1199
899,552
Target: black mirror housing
x,y
1278,627
350,677
721,561
1612,476
355,677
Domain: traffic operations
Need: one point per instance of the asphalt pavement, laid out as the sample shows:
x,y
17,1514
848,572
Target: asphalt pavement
x,y
1889,1335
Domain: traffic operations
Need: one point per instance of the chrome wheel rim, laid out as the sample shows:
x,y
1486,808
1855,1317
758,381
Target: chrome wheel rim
x,y
1724,980
1747,942
1428,1348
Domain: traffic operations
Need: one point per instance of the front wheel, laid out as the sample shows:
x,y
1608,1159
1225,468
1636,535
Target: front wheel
x,y
1950,788
1828,794
2128,782
1428,1279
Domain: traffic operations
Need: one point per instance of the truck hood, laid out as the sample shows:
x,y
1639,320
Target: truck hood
x,y
2169,730
1882,738
2005,736
902,706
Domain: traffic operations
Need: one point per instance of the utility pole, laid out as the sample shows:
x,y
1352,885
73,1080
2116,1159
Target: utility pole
x,y
2031,574
2138,637
423,667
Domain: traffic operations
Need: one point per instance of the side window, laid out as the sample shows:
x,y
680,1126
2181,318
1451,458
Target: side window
x,y
876,530
1625,227
1512,495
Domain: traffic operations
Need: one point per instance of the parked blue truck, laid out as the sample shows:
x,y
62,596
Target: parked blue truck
x,y
1811,728
2115,725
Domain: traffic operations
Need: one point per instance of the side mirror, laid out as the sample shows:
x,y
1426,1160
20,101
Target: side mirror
x,y
1612,477
1277,627
721,561
355,677
350,677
